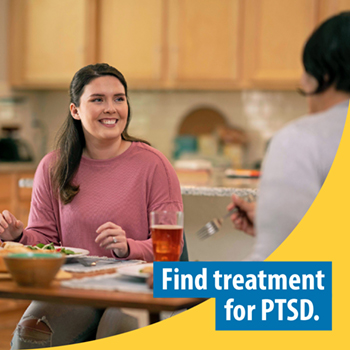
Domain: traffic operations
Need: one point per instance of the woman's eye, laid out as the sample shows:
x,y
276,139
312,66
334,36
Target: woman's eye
x,y
97,100
120,99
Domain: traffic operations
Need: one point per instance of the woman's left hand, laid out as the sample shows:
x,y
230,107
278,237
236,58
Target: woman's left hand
x,y
112,236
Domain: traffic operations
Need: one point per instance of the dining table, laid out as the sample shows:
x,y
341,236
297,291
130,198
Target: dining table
x,y
58,293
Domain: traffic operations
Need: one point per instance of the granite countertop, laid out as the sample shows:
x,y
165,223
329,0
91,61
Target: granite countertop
x,y
223,187
218,191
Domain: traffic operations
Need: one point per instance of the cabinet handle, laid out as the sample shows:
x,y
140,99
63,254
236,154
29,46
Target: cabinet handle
x,y
25,183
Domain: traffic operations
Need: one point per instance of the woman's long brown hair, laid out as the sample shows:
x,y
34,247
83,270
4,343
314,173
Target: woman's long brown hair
x,y
71,140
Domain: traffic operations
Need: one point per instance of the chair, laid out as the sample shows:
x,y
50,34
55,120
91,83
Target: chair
x,y
184,254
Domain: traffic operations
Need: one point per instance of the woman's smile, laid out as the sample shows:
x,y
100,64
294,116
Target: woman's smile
x,y
109,123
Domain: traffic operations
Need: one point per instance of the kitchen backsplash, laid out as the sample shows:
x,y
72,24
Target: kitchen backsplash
x,y
156,116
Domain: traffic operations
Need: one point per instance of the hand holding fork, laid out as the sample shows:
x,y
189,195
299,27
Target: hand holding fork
x,y
242,215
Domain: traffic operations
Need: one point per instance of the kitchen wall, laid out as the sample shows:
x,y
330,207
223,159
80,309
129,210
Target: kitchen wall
x,y
156,115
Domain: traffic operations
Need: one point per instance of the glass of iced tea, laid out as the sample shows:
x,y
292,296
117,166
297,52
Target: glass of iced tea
x,y
166,230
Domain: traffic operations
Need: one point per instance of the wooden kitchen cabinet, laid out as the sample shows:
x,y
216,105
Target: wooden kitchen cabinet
x,y
205,43
329,8
165,44
209,44
24,196
49,41
131,37
275,32
12,197
162,45
274,36
7,200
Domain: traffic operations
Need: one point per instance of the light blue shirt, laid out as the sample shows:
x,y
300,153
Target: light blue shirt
x,y
294,170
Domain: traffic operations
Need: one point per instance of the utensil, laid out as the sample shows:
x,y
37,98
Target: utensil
x,y
89,261
214,225
86,262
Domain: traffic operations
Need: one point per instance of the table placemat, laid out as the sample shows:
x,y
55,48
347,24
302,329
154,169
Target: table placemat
x,y
110,282
101,264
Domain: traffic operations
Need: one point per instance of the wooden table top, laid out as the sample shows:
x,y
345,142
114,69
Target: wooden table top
x,y
96,298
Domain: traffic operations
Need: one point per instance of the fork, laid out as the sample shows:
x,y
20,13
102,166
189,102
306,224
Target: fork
x,y
90,262
214,225
82,260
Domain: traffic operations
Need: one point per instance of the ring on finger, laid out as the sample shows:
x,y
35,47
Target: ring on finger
x,y
114,239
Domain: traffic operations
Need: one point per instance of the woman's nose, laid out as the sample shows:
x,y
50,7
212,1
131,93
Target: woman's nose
x,y
109,107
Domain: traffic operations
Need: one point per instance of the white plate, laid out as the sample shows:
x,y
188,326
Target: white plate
x,y
134,270
77,251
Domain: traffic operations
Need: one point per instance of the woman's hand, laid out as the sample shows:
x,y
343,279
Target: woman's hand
x,y
10,227
112,236
244,219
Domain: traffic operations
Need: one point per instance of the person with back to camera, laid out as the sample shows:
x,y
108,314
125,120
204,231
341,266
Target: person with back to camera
x,y
301,155
94,192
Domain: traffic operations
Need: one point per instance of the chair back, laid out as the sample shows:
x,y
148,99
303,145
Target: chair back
x,y
184,254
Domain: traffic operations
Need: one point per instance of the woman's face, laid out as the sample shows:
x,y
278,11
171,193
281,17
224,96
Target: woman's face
x,y
103,109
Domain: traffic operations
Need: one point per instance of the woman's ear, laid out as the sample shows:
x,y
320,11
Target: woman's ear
x,y
74,111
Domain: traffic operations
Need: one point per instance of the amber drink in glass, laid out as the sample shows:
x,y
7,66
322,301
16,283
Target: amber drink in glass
x,y
166,230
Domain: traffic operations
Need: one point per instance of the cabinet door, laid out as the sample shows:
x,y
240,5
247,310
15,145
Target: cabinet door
x,y
6,182
23,208
6,205
49,41
275,32
131,38
205,43
7,196
24,196
332,7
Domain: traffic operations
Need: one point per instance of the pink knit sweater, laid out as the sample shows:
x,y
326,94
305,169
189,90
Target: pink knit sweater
x,y
123,190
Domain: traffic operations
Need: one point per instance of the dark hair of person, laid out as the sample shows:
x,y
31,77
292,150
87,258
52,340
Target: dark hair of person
x,y
71,140
326,54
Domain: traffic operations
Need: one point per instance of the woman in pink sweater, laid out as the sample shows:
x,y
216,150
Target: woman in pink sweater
x,y
94,192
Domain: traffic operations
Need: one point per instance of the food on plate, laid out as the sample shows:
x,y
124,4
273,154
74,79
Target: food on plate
x,y
147,269
13,247
51,248
10,247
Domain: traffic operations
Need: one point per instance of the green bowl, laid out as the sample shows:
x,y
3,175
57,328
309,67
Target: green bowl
x,y
34,269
